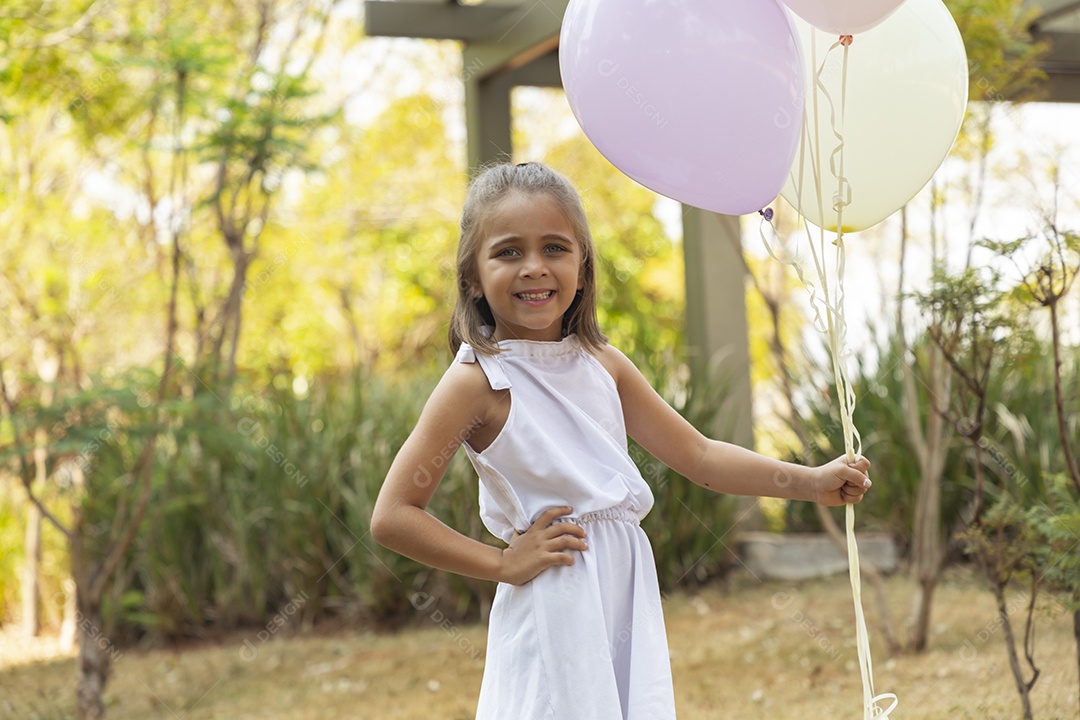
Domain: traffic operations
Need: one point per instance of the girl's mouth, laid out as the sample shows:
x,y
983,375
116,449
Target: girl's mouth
x,y
535,297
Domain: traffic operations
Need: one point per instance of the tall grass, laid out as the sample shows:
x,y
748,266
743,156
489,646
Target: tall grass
x,y
264,495
1021,446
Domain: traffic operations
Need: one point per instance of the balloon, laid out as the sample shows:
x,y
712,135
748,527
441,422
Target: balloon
x,y
843,17
696,100
907,88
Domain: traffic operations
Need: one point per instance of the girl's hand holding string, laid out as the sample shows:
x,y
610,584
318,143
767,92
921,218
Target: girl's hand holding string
x,y
541,546
838,483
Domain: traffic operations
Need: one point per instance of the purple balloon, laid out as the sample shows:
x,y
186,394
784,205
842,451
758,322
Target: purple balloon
x,y
699,101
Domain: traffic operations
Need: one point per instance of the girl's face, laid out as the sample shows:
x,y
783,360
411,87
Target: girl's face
x,y
529,266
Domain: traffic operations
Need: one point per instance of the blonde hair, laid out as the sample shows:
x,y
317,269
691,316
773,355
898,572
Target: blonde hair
x,y
486,191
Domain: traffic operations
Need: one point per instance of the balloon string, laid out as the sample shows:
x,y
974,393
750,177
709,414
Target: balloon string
x,y
841,199
843,190
835,329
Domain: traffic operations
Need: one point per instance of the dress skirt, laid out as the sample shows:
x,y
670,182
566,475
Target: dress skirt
x,y
583,641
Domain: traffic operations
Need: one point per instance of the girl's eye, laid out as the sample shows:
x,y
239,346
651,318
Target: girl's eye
x,y
556,248
507,252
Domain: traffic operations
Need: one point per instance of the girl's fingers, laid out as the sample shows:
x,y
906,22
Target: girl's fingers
x,y
569,542
564,545
860,481
563,559
566,528
548,516
546,523
855,474
860,463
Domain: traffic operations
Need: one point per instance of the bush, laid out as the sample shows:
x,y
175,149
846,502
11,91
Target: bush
x,y
264,495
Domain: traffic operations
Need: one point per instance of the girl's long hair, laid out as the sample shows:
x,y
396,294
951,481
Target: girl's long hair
x,y
485,193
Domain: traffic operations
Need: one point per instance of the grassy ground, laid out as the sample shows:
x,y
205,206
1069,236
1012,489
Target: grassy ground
x,y
740,650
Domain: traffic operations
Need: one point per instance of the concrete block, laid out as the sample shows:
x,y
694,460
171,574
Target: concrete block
x,y
799,556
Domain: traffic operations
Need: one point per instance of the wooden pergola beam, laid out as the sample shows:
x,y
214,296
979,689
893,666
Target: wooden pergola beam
x,y
434,20
1052,9
529,34
1062,63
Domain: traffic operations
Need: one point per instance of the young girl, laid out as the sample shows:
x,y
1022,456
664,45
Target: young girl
x,y
543,405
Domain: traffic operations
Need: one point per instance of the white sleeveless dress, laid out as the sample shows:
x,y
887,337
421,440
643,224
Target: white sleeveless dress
x,y
584,641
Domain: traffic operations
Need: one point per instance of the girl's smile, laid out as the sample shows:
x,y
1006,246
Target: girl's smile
x,y
535,297
529,267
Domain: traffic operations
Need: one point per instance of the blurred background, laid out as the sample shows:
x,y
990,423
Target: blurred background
x,y
226,273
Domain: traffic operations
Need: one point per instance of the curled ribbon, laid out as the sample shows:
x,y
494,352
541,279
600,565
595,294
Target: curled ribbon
x,y
830,320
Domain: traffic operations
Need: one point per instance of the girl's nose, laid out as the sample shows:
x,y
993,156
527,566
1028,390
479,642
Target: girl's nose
x,y
534,266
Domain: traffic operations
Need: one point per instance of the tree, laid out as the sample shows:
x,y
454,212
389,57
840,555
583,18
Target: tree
x,y
156,84
1003,68
1044,284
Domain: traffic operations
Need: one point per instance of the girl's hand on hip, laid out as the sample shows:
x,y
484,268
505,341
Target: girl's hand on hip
x,y
541,546
838,483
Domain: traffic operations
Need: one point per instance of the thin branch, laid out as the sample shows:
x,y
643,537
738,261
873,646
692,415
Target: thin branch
x,y
143,469
1029,633
26,476
119,548
60,36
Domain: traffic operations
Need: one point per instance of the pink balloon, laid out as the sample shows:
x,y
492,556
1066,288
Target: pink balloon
x,y
844,17
699,101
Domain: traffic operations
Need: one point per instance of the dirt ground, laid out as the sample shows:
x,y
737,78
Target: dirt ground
x,y
740,649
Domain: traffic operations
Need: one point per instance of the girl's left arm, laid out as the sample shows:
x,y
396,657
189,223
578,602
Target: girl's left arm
x,y
720,466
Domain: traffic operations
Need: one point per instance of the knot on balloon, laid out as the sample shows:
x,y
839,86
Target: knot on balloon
x,y
846,40
767,213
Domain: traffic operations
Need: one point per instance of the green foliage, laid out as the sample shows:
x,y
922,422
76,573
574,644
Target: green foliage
x,y
271,495
1048,274
688,524
11,548
1058,524
880,415
1020,445
1002,59
1007,544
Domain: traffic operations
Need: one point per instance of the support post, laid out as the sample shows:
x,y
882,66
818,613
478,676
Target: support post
x,y
487,119
716,328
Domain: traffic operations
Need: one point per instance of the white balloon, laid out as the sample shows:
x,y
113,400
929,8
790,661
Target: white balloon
x,y
906,94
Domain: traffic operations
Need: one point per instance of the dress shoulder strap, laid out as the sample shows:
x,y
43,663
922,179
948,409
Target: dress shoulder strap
x,y
490,364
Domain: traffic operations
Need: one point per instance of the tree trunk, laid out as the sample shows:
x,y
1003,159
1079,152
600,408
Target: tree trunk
x,y
1076,636
31,587
1059,399
930,447
1010,645
926,540
31,621
95,659
921,610
230,316
236,305
70,622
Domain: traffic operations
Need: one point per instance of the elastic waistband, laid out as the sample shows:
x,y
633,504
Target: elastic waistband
x,y
618,513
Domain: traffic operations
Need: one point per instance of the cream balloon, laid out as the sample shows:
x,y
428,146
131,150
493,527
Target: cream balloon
x,y
906,93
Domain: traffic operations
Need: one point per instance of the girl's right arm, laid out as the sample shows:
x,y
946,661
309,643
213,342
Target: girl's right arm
x,y
461,404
